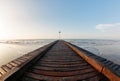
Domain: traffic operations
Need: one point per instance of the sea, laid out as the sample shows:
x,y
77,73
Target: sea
x,y
12,49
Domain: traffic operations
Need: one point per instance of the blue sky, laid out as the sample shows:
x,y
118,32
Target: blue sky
x,y
94,19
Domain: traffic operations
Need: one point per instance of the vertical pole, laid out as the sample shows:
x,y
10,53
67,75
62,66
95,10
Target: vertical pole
x,y
59,34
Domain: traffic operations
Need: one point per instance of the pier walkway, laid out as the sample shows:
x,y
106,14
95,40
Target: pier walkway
x,y
59,61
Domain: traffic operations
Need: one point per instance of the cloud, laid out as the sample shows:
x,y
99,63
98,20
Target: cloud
x,y
109,27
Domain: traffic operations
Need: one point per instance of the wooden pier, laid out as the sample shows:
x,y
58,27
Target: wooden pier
x,y
60,61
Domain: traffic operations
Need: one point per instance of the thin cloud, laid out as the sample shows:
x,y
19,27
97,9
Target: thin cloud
x,y
108,27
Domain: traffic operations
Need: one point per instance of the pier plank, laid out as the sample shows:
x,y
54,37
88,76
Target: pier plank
x,y
6,68
2,71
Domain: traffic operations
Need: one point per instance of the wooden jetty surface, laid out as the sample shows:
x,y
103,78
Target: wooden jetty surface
x,y
60,61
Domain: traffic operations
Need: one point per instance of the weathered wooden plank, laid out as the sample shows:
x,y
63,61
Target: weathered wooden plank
x,y
9,66
2,71
62,65
17,62
59,73
62,69
6,68
13,64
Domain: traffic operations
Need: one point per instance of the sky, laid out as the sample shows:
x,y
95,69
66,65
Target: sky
x,y
43,19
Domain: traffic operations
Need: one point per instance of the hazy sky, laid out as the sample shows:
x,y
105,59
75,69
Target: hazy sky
x,y
44,18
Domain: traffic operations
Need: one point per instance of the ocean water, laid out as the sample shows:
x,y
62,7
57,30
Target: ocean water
x,y
12,49
109,49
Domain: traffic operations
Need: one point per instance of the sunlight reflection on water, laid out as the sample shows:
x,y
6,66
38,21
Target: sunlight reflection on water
x,y
10,51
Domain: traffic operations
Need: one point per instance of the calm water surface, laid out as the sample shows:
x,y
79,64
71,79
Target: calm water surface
x,y
12,49
109,49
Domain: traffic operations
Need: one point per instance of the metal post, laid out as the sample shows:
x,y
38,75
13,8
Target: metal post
x,y
59,34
